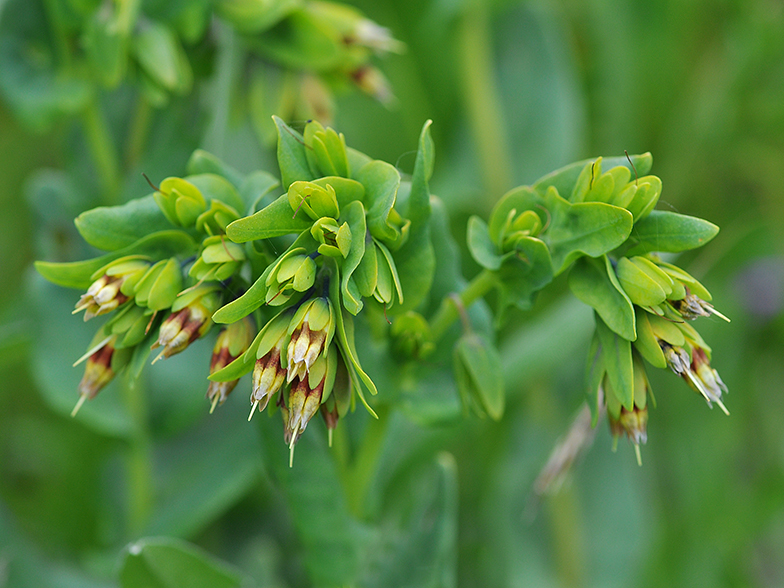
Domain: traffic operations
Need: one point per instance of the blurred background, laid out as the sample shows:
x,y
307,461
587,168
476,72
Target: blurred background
x,y
515,89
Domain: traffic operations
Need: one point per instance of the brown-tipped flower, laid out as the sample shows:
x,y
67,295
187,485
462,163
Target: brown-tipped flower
x,y
632,423
105,294
233,341
98,371
705,380
268,377
101,297
690,307
677,358
313,327
184,325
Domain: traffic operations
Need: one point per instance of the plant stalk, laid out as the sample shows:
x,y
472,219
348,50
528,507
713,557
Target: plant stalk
x,y
448,311
103,152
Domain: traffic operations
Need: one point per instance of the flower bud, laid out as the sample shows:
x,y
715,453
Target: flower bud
x,y
233,341
189,320
691,306
180,201
219,259
371,81
334,239
103,362
292,274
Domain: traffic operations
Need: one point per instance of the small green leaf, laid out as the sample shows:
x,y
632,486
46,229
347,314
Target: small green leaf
x,y
381,181
162,57
524,272
646,343
273,221
292,160
478,374
77,274
204,162
215,187
642,289
482,248
418,204
590,228
346,190
164,562
354,214
114,227
670,232
594,375
593,282
617,357
645,197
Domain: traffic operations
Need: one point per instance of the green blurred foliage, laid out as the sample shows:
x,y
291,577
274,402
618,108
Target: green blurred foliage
x,y
515,89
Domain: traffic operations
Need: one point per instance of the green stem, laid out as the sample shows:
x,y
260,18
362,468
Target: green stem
x,y
138,459
55,14
482,101
448,312
103,152
137,134
366,462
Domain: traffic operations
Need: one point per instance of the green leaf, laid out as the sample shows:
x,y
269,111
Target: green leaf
x,y
255,187
329,537
482,248
670,232
524,272
518,199
204,162
640,287
215,187
164,562
346,190
354,214
77,274
105,41
275,220
565,178
646,343
114,227
418,203
593,282
594,375
292,160
428,538
590,228
381,181
478,374
617,357
162,57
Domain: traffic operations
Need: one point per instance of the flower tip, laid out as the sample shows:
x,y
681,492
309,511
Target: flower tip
x,y
291,452
721,316
639,455
214,403
253,410
329,436
722,407
79,403
161,355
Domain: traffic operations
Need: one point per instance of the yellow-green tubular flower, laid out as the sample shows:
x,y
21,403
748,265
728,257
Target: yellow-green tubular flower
x,y
294,272
113,286
306,396
103,362
233,341
334,239
180,201
311,330
219,259
269,375
190,319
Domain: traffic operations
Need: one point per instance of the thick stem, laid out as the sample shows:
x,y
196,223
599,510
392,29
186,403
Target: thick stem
x,y
448,311
139,461
482,100
103,152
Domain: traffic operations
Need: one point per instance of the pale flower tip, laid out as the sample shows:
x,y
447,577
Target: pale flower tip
x,y
291,453
79,403
214,403
721,316
253,410
329,436
722,407
160,356
639,455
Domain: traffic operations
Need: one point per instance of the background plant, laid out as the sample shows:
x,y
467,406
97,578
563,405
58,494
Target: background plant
x,y
682,508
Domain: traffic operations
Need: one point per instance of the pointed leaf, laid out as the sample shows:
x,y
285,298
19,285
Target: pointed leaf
x,y
292,160
114,227
670,232
273,221
617,356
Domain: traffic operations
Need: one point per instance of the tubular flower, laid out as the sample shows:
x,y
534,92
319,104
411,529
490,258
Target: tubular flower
x,y
232,342
705,380
632,423
189,320
269,374
691,306
312,328
112,288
